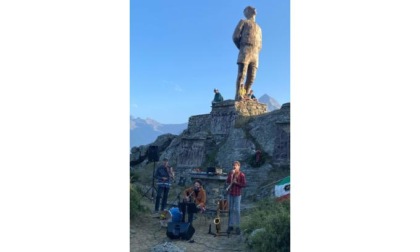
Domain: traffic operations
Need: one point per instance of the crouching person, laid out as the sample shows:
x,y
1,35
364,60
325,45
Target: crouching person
x,y
194,201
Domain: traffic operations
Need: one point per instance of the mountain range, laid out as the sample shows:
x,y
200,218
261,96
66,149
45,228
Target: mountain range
x,y
145,131
272,104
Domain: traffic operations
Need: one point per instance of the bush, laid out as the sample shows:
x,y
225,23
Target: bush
x,y
134,176
136,208
142,175
272,220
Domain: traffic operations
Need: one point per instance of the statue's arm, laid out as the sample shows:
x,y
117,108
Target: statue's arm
x,y
237,34
260,41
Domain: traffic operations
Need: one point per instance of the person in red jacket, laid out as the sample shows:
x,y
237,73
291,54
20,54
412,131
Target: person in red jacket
x,y
235,181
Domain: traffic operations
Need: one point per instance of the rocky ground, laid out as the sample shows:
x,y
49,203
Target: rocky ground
x,y
147,234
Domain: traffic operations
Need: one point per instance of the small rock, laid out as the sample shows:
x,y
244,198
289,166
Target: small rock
x,y
166,247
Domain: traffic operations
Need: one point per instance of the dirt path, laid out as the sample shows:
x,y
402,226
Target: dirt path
x,y
146,233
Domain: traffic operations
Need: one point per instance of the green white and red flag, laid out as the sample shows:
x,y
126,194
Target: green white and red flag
x,y
282,189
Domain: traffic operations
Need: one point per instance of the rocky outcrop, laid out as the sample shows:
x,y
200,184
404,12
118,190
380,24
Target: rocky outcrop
x,y
232,131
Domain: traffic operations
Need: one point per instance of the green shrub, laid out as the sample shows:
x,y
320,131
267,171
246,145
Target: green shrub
x,y
136,208
134,176
279,171
142,175
273,220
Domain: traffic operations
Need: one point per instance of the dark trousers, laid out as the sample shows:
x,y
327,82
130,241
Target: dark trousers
x,y
165,191
190,208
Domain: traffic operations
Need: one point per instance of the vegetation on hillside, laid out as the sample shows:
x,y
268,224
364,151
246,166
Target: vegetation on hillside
x,y
136,206
267,227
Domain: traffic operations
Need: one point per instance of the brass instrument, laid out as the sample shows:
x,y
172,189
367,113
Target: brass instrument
x,y
217,219
217,222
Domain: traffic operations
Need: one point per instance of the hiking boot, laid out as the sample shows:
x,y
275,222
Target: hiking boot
x,y
238,231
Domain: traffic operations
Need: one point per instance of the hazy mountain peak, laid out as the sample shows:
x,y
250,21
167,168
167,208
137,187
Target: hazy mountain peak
x,y
145,131
272,104
153,123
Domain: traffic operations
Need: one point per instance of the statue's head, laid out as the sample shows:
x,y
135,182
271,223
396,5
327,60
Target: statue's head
x,y
250,12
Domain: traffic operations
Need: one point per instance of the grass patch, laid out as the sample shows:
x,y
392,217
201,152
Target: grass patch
x,y
137,207
279,172
143,175
267,227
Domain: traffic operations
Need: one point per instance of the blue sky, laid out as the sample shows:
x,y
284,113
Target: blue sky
x,y
181,50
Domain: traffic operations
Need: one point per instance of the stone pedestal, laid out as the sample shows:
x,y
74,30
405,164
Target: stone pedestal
x,y
225,114
250,108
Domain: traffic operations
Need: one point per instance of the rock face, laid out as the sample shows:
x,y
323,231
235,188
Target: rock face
x,y
234,130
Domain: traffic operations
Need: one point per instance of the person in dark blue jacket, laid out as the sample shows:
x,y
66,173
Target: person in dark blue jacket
x,y
164,174
251,95
217,96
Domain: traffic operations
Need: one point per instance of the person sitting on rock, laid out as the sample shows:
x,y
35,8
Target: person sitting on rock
x,y
194,201
217,96
251,95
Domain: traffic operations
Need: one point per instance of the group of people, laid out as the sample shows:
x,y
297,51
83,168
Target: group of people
x,y
194,197
243,95
247,37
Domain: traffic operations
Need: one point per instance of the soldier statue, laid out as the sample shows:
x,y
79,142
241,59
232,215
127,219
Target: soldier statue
x,y
248,39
